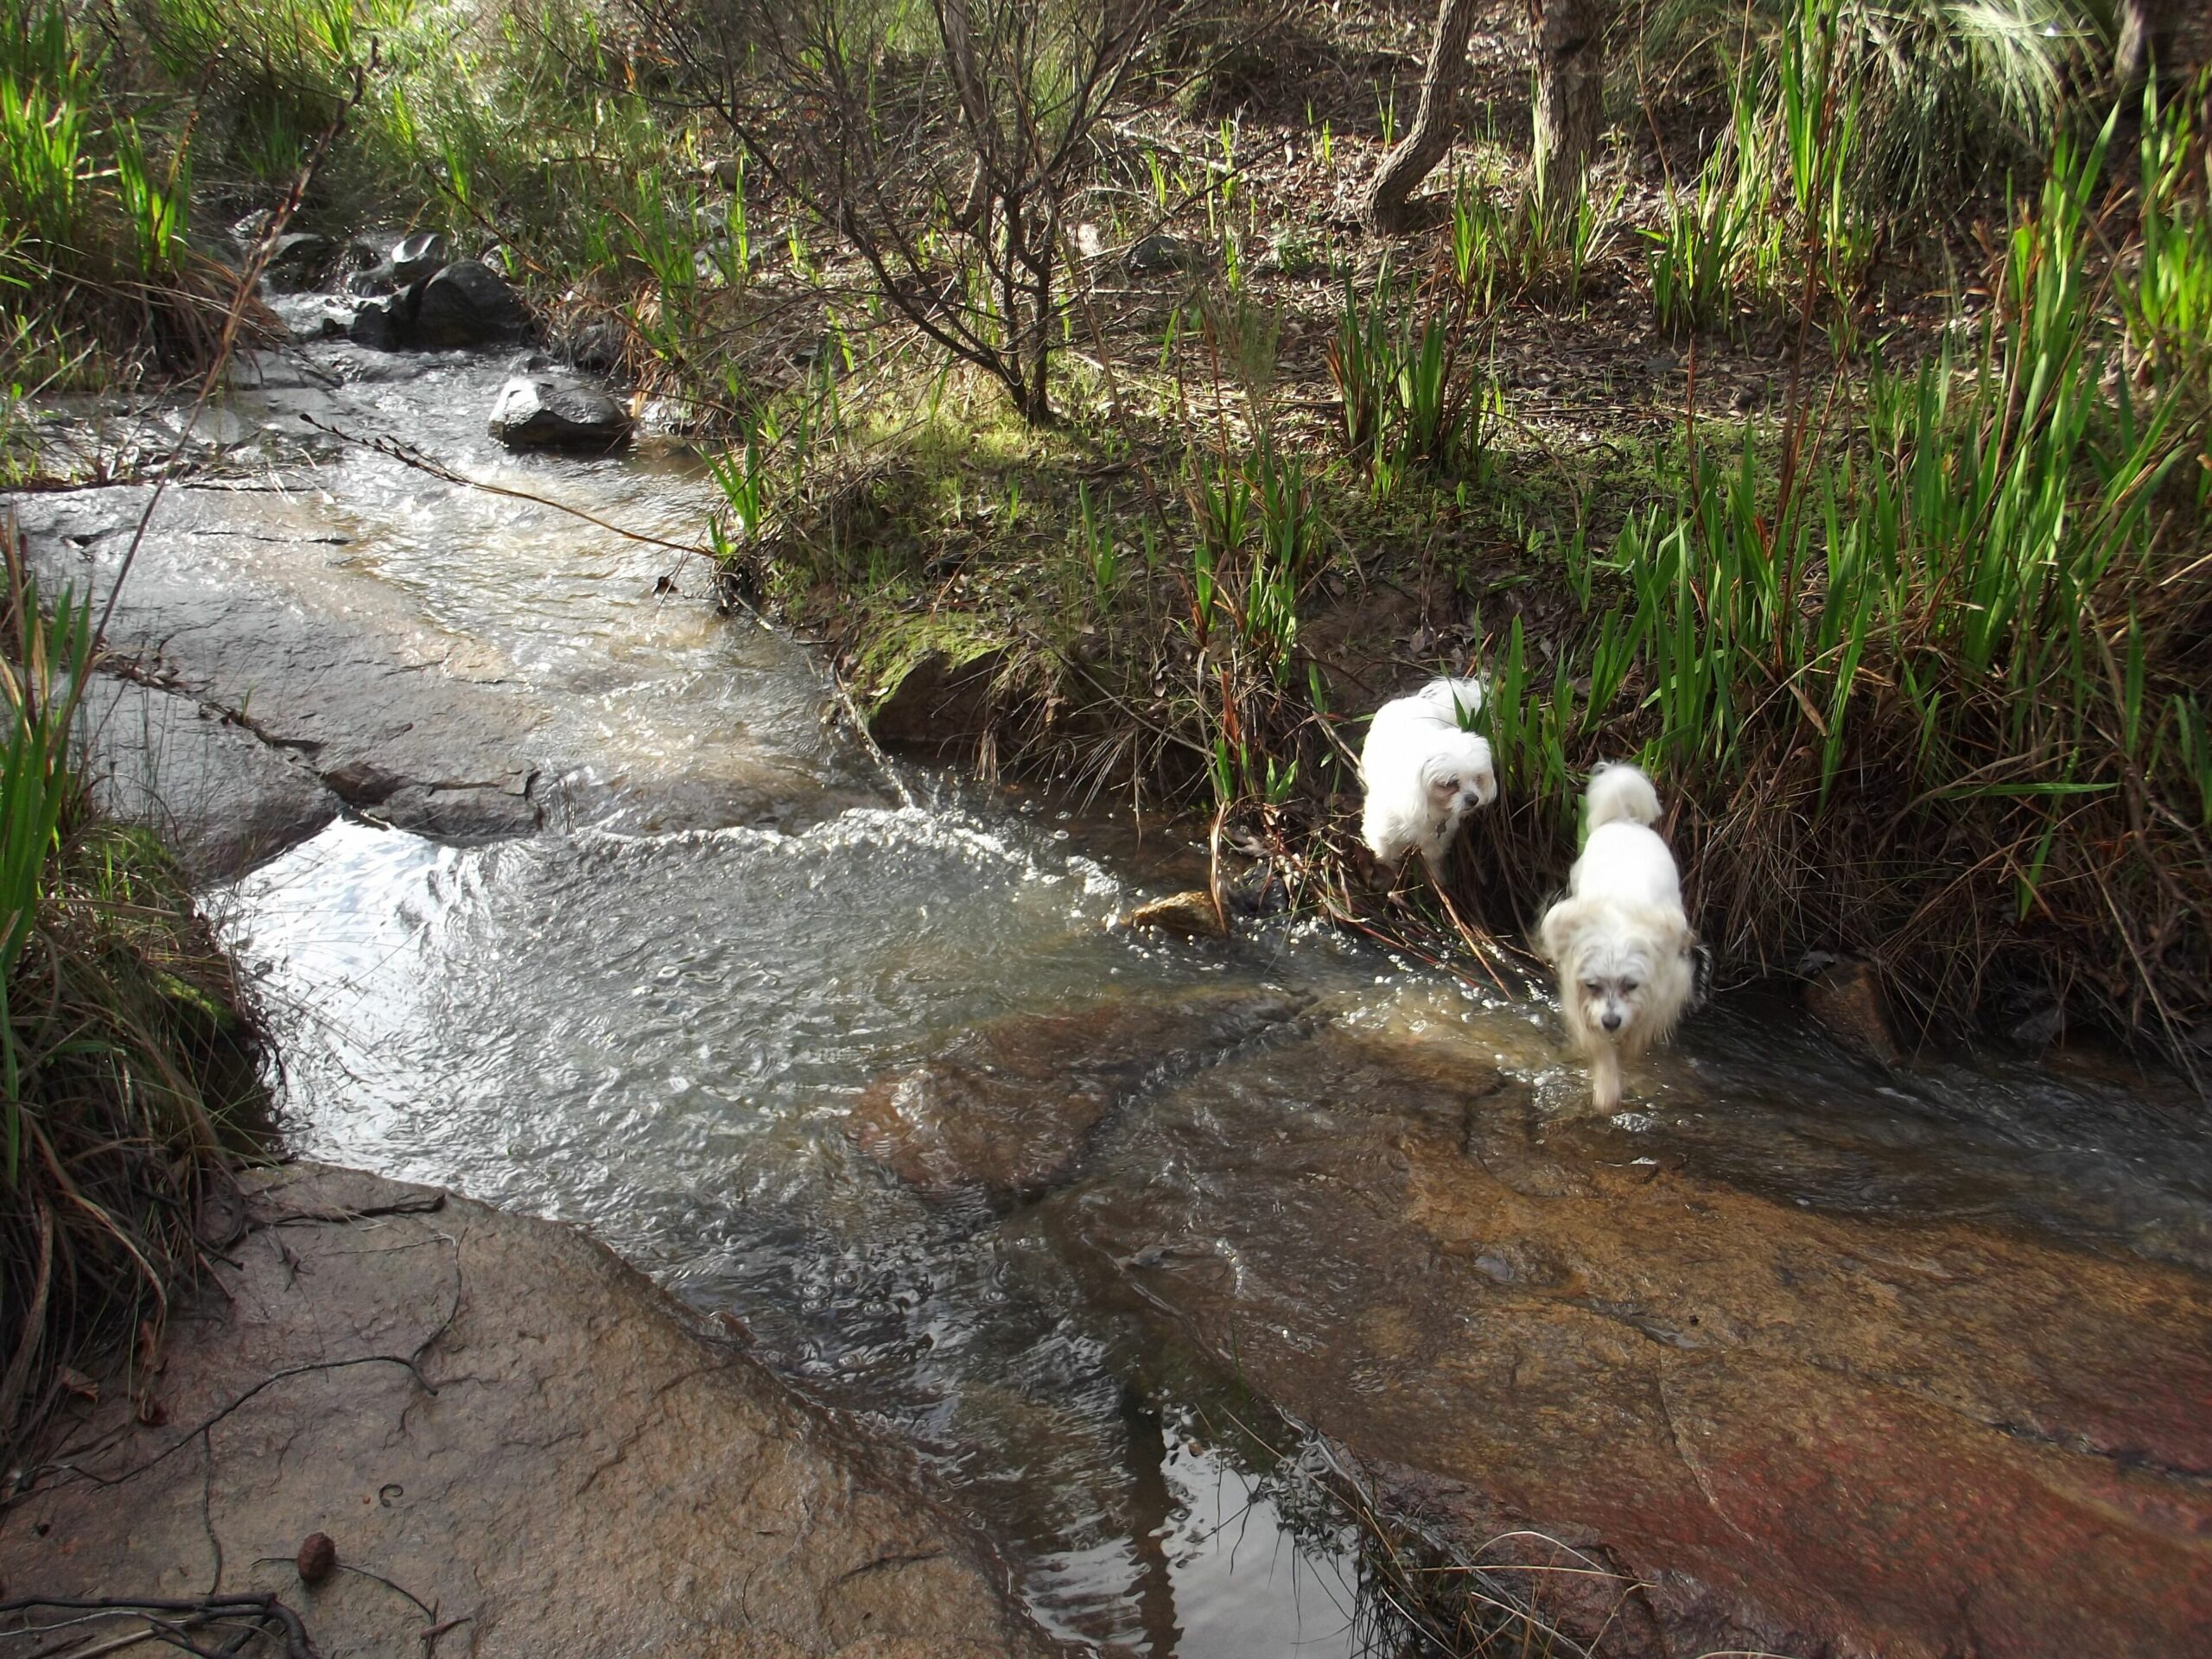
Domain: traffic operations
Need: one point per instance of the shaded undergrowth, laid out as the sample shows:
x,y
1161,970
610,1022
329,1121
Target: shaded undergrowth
x,y
1919,660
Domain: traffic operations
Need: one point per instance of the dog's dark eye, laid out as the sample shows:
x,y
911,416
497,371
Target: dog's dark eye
x,y
1628,985
1593,987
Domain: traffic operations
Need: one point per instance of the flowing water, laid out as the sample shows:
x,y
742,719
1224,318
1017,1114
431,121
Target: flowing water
x,y
653,1017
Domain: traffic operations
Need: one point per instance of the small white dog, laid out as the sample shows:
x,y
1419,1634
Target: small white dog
x,y
1619,938
1423,774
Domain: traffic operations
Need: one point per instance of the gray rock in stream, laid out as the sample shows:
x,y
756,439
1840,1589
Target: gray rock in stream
x,y
468,303
299,260
383,325
1006,1108
538,411
1764,1423
222,798
242,606
418,258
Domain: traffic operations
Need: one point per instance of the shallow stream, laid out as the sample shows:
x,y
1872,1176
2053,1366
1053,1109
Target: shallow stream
x,y
653,1017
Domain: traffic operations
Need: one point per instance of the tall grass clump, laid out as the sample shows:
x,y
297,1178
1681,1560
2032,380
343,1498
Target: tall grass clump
x,y
1529,245
1954,96
128,1076
1414,390
1773,215
1935,689
95,210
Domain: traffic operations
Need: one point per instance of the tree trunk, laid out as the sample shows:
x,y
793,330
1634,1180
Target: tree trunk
x,y
1570,41
1424,146
2174,34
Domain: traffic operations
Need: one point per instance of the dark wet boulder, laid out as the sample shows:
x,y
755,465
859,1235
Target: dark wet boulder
x,y
536,412
416,258
468,303
1845,998
465,304
386,324
1006,1107
300,260
1777,1425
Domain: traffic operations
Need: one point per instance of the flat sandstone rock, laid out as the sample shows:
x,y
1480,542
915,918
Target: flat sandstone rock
x,y
575,1471
1776,1428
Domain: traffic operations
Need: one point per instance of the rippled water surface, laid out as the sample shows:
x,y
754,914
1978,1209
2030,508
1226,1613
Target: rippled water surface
x,y
654,1017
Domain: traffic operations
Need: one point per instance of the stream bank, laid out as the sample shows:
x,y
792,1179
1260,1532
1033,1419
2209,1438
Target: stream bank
x,y
1830,1356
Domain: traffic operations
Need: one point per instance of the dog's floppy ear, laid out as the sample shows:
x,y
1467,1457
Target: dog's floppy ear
x,y
1561,923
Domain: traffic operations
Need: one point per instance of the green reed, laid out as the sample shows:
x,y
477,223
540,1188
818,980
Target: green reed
x,y
1982,606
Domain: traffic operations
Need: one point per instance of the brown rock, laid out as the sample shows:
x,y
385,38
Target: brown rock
x,y
1846,999
1782,1429
576,1471
318,1557
1191,914
1006,1106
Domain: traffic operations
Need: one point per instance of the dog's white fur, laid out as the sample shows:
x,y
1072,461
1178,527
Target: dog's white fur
x,y
1423,774
1619,938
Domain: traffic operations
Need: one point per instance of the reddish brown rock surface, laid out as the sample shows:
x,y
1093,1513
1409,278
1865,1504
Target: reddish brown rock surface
x,y
1796,1430
583,1473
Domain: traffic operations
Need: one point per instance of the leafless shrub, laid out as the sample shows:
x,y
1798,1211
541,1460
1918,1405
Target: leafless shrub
x,y
942,147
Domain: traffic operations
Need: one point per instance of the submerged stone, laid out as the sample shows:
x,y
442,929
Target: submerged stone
x,y
1007,1107
1191,914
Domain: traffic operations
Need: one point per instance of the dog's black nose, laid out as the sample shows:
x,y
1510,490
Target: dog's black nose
x,y
1611,1021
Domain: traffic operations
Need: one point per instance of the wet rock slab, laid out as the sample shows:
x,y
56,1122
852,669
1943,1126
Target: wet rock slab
x,y
1007,1108
575,1470
220,798
1797,1430
242,605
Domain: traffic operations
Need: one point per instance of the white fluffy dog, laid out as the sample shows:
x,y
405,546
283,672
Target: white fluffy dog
x,y
1423,774
1619,938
